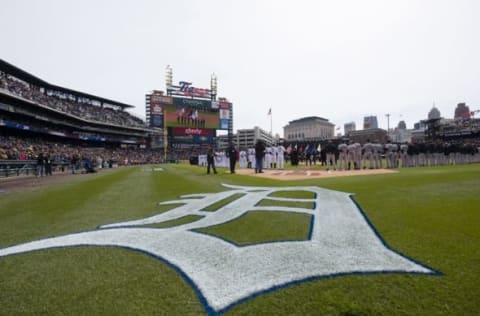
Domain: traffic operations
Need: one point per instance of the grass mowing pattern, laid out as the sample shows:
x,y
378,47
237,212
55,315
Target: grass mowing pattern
x,y
298,204
429,214
293,194
257,227
218,205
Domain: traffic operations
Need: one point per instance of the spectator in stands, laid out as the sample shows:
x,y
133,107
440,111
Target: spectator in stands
x,y
70,104
48,165
40,165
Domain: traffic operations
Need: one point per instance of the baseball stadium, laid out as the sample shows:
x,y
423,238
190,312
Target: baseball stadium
x,y
102,213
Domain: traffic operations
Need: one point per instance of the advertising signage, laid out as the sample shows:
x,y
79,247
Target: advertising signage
x,y
161,99
224,105
186,89
207,104
224,124
157,102
182,131
156,120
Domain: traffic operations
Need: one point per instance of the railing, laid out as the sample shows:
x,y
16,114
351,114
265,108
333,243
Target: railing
x,y
24,167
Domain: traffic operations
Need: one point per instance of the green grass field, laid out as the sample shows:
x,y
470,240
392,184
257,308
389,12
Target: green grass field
x,y
429,214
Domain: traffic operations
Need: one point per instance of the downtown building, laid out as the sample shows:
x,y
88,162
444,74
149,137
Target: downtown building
x,y
370,122
311,128
247,138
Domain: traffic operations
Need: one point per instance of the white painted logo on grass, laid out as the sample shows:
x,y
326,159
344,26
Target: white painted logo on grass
x,y
342,241
153,169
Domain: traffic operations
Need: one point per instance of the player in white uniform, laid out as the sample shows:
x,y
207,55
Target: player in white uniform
x,y
274,156
251,157
281,156
242,159
202,160
268,158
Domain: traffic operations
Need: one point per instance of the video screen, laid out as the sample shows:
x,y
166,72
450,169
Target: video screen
x,y
190,116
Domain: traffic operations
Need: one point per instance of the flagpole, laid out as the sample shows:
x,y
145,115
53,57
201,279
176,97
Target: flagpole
x,y
271,120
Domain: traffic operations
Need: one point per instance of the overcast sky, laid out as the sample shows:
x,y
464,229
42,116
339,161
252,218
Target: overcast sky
x,y
341,60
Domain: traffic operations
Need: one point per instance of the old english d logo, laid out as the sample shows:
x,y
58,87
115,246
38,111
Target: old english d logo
x,y
342,241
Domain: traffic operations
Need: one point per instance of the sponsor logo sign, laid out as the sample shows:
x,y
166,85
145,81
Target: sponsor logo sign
x,y
224,114
182,131
224,105
183,102
186,89
224,124
161,99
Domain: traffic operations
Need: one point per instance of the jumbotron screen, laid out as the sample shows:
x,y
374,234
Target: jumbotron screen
x,y
189,113
189,116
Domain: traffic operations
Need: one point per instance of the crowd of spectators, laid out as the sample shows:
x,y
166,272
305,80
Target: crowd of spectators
x,y
67,103
186,151
20,148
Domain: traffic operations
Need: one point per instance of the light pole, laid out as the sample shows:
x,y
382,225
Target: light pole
x,y
388,126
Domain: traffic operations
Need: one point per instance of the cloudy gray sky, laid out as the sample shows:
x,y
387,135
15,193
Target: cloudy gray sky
x,y
340,60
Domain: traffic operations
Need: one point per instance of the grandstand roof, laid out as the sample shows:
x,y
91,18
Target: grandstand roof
x,y
27,77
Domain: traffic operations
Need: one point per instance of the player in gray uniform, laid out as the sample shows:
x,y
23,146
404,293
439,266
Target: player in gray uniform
x,y
395,155
403,155
391,155
377,155
357,155
388,154
368,154
351,148
342,156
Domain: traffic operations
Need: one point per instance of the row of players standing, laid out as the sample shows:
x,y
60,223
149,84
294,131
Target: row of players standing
x,y
352,155
260,157
370,155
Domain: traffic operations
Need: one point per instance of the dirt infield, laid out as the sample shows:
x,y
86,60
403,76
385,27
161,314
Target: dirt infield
x,y
301,174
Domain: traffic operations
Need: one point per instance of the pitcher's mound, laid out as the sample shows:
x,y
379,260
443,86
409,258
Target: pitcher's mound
x,y
299,174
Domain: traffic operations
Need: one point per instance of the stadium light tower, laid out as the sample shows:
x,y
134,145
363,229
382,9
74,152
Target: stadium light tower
x,y
213,86
168,77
